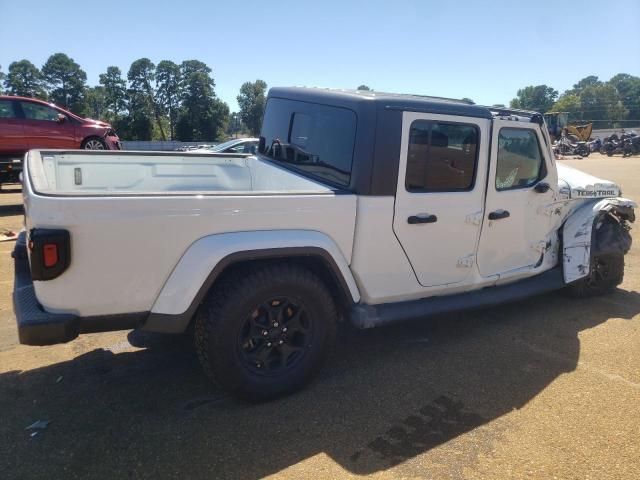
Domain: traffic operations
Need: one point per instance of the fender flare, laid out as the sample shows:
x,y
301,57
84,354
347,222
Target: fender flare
x,y
578,234
207,258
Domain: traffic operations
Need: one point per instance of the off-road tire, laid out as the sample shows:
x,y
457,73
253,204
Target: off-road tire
x,y
237,303
606,272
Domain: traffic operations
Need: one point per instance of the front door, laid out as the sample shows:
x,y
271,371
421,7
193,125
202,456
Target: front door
x,y
439,199
45,128
11,130
516,225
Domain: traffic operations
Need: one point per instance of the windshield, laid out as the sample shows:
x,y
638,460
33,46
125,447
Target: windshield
x,y
224,145
316,139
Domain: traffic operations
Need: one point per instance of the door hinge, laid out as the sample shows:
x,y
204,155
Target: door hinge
x,y
474,218
466,262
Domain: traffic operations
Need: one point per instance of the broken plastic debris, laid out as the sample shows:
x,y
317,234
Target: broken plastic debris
x,y
59,379
33,434
38,425
6,235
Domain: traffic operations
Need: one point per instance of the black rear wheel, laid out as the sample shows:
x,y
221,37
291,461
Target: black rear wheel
x,y
265,332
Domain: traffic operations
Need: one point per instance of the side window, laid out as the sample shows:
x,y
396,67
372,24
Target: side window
x,y
520,163
35,111
251,147
442,157
6,109
236,149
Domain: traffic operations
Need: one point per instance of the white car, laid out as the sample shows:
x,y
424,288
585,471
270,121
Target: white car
x,y
238,145
359,206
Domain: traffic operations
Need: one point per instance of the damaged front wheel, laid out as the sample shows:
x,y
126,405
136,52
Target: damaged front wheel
x,y
606,272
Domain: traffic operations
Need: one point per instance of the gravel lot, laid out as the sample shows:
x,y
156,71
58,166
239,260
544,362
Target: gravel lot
x,y
545,388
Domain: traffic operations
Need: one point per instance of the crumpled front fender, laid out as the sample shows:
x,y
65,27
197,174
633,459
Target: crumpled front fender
x,y
578,235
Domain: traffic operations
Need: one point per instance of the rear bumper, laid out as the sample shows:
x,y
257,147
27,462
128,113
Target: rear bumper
x,y
39,327
35,325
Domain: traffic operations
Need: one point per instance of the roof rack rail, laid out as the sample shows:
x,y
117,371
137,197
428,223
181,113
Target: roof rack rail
x,y
534,117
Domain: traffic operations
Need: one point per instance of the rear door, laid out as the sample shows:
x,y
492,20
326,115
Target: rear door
x,y
440,194
44,129
522,180
11,129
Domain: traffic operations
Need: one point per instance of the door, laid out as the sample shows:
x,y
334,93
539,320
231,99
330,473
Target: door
x,y
522,181
439,198
47,127
11,130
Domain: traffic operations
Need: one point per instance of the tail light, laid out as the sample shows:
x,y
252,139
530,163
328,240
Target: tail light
x,y
50,253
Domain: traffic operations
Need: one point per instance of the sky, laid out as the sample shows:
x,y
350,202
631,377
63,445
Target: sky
x,y
483,50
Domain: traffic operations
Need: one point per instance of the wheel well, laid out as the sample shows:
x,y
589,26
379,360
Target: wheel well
x,y
326,272
90,137
610,234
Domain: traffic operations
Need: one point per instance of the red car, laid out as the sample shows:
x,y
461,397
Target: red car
x,y
27,123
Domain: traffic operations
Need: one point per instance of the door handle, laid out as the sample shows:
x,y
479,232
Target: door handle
x,y
413,219
542,187
498,214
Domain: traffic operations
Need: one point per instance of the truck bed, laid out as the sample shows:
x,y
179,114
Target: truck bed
x,y
132,216
96,173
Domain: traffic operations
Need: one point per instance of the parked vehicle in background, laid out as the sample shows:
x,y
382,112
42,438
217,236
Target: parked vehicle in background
x,y
564,146
27,123
359,207
238,145
627,144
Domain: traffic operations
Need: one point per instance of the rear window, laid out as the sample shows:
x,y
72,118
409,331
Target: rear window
x,y
316,139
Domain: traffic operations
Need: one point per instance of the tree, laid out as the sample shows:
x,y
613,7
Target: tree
x,y
468,100
25,79
115,92
600,103
570,103
628,89
252,102
141,75
202,116
590,81
168,78
539,98
364,87
140,96
2,77
95,105
65,80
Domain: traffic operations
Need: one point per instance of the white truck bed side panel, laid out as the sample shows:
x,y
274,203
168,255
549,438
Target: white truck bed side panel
x,y
123,249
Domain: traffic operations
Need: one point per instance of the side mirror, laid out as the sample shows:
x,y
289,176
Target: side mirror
x,y
61,119
542,187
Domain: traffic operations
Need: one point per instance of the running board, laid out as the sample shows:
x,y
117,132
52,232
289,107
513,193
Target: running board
x,y
368,316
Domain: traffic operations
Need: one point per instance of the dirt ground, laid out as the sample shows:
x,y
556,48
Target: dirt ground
x,y
544,388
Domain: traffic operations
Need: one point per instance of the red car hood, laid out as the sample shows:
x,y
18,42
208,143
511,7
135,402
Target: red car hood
x,y
97,123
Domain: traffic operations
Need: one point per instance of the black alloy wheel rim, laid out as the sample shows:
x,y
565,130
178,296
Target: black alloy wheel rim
x,y
274,337
599,273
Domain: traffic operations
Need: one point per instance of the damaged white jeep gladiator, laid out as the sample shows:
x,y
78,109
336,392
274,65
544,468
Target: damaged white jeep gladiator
x,y
364,207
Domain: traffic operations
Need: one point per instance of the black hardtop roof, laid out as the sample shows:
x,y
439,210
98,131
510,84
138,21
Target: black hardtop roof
x,y
355,99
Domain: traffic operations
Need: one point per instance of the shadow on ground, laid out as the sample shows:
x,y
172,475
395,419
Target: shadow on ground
x,y
386,396
11,210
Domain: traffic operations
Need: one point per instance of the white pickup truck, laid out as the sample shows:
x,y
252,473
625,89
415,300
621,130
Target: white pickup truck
x,y
361,207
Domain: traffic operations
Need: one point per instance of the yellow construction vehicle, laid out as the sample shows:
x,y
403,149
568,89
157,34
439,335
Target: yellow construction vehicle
x,y
559,121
